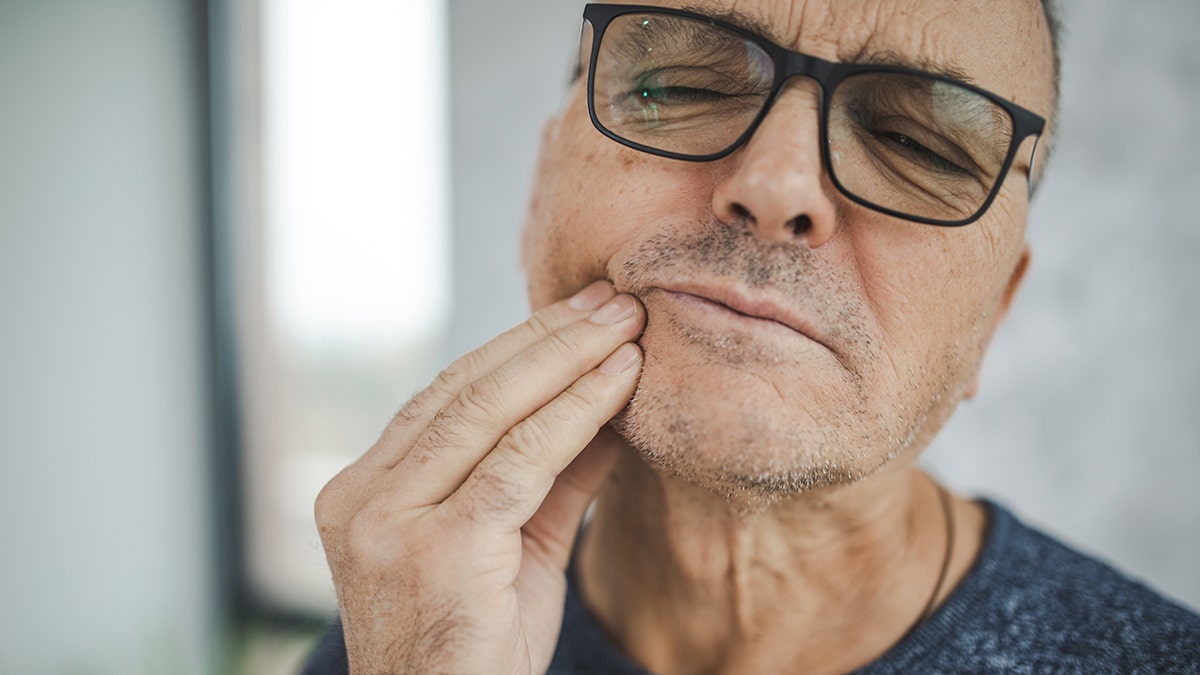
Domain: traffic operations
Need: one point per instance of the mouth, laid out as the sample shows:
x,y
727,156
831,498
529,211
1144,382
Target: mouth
x,y
742,307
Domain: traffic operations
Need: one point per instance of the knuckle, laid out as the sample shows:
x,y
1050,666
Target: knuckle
x,y
481,400
418,408
540,322
530,441
475,408
439,434
410,411
581,400
328,506
361,532
456,375
566,345
378,537
372,531
492,492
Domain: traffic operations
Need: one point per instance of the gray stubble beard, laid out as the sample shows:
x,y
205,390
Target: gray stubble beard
x,y
770,460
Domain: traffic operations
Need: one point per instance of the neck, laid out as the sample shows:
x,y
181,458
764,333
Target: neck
x,y
822,582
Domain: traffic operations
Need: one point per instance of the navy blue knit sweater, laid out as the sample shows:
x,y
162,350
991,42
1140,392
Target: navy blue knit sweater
x,y
1029,604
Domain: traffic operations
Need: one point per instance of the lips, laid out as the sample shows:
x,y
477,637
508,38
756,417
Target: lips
x,y
750,304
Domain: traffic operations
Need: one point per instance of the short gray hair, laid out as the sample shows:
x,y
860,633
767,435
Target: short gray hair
x,y
1054,25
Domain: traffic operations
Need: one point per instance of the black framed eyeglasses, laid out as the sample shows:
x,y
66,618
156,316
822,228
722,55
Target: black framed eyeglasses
x,y
908,143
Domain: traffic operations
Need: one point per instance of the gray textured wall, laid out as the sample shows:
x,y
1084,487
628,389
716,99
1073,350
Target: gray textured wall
x,y
1089,414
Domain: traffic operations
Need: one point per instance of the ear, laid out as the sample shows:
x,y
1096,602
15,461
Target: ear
x,y
540,175
1010,292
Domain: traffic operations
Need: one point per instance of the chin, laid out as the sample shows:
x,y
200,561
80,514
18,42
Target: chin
x,y
732,434
757,431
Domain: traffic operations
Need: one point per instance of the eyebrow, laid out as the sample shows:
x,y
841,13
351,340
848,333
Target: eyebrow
x,y
865,56
887,57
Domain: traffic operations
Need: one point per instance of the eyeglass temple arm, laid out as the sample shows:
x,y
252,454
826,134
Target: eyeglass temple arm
x,y
1032,163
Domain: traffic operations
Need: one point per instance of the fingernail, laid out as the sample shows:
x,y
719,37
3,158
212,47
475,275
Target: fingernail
x,y
620,360
591,297
617,309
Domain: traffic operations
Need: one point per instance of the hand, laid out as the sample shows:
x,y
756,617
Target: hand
x,y
449,538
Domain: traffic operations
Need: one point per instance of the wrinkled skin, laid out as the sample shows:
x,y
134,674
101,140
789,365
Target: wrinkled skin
x,y
764,483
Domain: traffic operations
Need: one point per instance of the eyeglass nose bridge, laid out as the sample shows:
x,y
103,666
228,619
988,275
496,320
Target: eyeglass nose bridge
x,y
790,65
796,64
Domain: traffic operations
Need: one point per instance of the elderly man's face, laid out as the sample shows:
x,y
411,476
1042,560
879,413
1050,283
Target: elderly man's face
x,y
880,323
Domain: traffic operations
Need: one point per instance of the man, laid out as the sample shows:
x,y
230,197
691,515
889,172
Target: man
x,y
769,243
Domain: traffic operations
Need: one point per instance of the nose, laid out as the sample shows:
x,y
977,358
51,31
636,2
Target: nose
x,y
777,185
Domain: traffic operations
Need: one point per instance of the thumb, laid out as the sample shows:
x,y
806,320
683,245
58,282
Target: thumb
x,y
556,523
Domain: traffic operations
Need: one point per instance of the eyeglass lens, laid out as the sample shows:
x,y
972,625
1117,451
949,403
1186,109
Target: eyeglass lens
x,y
913,144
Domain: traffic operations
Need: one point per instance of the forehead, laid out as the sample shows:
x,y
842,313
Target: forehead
x,y
1003,47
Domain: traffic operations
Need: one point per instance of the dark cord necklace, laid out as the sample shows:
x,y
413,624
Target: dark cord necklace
x,y
948,513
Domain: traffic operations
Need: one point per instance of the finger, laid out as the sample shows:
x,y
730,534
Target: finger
x,y
470,427
357,483
552,530
412,419
509,484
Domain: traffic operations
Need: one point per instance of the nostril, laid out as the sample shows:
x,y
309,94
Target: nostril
x,y
800,224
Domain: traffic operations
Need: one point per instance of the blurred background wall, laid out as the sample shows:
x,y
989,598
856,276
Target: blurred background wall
x,y
107,563
1087,421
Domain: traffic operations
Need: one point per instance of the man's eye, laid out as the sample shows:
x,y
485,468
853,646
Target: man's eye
x,y
915,151
680,95
689,84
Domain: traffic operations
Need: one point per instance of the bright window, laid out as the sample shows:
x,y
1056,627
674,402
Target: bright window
x,y
343,286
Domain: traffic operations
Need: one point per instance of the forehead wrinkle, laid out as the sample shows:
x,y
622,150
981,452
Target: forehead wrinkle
x,y
793,23
737,18
865,54
880,14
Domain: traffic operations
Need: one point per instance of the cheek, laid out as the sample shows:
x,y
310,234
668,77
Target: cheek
x,y
558,261
561,250
933,293
595,200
